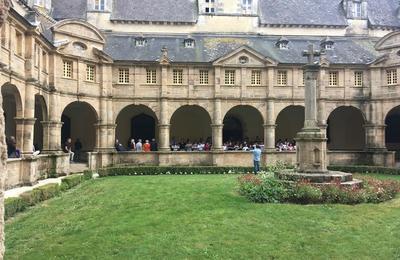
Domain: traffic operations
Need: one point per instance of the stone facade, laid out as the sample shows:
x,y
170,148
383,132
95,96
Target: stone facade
x,y
95,79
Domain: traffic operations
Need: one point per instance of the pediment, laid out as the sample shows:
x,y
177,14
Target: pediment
x,y
390,41
245,56
79,29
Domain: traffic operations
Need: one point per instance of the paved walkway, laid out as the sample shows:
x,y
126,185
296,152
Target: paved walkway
x,y
75,168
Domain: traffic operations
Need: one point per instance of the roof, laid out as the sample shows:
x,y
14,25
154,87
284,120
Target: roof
x,y
155,10
303,12
383,13
209,48
69,9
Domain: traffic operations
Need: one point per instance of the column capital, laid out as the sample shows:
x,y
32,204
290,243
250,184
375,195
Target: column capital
x,y
164,125
21,120
270,125
217,125
111,126
375,126
52,123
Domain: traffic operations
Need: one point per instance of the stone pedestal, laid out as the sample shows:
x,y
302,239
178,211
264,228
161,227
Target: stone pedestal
x,y
311,151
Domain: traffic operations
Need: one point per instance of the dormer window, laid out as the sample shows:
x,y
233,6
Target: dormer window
x,y
247,6
327,44
189,43
357,10
209,7
283,43
140,42
99,5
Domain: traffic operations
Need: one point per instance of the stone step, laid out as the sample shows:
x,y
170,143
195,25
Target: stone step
x,y
328,177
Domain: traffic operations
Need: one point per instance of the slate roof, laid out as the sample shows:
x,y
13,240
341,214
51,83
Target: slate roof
x,y
209,48
383,13
155,10
303,12
69,9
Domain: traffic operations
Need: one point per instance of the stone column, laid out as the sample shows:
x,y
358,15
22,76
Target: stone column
x,y
4,7
375,137
51,136
269,127
217,127
164,126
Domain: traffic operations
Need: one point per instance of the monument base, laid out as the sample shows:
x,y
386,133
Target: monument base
x,y
322,178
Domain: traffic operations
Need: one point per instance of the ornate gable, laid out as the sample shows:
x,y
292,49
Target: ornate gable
x,y
244,56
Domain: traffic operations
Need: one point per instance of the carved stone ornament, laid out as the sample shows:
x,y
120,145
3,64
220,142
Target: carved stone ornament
x,y
4,8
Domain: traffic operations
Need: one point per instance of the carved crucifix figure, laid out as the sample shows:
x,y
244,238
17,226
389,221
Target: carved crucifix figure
x,y
311,53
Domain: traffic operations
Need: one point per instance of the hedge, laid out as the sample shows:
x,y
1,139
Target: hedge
x,y
42,193
179,170
365,169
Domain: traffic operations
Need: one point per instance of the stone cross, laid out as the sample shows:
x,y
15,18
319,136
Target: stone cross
x,y
311,70
311,53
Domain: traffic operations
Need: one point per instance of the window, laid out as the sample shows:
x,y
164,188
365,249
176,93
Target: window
x,y
391,76
177,77
189,43
151,76
3,35
203,77
255,77
18,45
333,78
140,42
357,9
283,45
44,61
229,77
209,7
90,72
328,46
282,78
67,69
358,78
123,76
247,6
99,5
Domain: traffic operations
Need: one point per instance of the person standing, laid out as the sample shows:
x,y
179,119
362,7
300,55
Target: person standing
x,y
139,145
132,145
78,148
68,149
146,146
153,145
256,158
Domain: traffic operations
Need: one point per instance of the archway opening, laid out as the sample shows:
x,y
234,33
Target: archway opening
x,y
190,126
136,122
392,133
289,122
346,129
12,108
243,124
79,119
40,115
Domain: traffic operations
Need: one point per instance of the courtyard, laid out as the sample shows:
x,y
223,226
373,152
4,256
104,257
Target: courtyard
x,y
197,217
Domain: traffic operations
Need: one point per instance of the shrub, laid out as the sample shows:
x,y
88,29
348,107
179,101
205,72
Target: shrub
x,y
49,191
87,175
12,206
71,181
366,169
32,197
267,189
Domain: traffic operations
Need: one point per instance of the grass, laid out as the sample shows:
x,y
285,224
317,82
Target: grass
x,y
196,217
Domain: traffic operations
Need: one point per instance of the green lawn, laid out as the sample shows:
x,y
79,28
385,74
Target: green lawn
x,y
195,217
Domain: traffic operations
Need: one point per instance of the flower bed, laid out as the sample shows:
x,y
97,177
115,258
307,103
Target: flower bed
x,y
265,188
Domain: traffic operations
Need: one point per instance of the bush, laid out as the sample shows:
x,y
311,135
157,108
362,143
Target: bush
x,y
267,189
40,194
12,206
32,197
71,181
366,169
183,170
87,175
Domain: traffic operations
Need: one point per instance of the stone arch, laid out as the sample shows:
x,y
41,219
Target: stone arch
x,y
41,114
136,121
346,129
190,123
88,30
12,108
79,122
243,123
289,122
392,133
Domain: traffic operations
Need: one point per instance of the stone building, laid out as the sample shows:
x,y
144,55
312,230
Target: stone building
x,y
101,70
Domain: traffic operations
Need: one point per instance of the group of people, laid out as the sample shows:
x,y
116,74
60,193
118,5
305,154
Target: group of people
x,y
285,145
137,146
190,146
240,146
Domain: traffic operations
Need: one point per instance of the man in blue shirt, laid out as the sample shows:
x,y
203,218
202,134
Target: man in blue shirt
x,y
256,158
